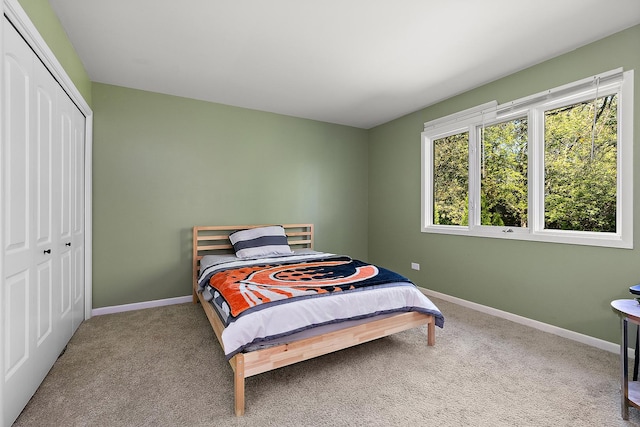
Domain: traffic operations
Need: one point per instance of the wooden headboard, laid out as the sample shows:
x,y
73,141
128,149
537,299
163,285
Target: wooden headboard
x,y
214,240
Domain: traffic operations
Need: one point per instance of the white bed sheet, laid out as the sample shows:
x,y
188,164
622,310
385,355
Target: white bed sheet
x,y
279,322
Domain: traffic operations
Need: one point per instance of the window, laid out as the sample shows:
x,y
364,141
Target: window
x,y
555,166
451,179
503,173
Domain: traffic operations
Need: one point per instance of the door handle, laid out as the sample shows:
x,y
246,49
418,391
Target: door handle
x,y
68,244
47,251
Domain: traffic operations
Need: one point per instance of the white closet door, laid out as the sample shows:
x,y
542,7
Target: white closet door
x,y
43,148
63,195
71,213
77,218
20,271
43,212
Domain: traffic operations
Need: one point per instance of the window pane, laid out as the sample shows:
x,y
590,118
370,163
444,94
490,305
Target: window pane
x,y
503,174
451,180
580,166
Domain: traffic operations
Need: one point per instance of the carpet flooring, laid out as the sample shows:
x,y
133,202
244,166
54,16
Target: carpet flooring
x,y
164,367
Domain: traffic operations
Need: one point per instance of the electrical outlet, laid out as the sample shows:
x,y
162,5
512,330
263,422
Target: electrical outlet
x,y
415,266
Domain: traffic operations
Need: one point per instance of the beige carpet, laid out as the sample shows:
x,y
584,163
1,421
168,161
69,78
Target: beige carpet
x,y
163,367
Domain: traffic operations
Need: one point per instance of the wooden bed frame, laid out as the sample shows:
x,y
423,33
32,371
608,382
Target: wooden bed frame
x,y
215,240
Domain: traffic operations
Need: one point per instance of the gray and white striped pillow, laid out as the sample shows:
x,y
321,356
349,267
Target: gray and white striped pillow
x,y
260,242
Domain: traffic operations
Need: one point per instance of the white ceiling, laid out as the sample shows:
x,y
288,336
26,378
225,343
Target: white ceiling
x,y
354,62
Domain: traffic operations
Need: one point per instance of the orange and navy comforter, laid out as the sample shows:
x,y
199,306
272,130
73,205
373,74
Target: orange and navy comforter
x,y
267,301
251,286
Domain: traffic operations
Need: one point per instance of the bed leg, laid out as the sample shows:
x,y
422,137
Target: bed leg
x,y
238,383
194,296
431,333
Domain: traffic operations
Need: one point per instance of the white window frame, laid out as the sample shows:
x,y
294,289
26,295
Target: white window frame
x,y
615,81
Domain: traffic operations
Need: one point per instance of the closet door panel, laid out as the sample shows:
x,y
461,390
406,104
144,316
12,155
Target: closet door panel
x,y
43,173
66,136
77,229
44,301
16,334
17,200
66,278
64,281
77,170
43,176
50,334
16,164
16,167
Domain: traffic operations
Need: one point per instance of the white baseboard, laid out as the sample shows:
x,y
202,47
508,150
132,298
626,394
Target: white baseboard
x,y
140,305
565,333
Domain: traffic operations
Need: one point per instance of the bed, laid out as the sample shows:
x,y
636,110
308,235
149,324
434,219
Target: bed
x,y
216,253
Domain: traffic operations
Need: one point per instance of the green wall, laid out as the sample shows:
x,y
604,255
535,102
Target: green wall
x,y
49,27
564,285
163,164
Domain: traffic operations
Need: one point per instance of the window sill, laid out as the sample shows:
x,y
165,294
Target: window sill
x,y
610,240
